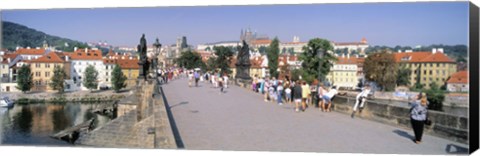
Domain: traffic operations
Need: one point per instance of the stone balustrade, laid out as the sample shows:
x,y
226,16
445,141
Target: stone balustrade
x,y
443,125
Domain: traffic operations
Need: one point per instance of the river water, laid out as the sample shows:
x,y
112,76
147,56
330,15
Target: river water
x,y
32,124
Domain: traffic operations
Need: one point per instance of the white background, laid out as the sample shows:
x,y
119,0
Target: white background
x,y
46,4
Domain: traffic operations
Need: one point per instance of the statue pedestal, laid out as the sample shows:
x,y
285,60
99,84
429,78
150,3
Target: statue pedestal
x,y
242,78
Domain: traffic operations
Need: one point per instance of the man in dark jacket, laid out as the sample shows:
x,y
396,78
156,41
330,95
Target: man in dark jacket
x,y
297,95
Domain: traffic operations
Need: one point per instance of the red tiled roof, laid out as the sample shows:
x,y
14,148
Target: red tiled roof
x,y
346,60
12,56
128,63
24,51
262,41
459,77
349,43
295,43
421,57
80,54
51,57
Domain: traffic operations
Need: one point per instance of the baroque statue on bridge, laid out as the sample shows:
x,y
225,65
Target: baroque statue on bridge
x,y
143,62
243,62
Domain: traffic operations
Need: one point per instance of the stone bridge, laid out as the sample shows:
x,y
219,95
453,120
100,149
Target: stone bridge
x,y
239,119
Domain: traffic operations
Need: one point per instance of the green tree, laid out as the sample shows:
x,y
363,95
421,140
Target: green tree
x,y
382,69
224,58
284,51
291,51
403,78
208,49
296,73
90,80
118,79
317,59
24,79
262,50
272,55
435,97
211,64
190,60
58,79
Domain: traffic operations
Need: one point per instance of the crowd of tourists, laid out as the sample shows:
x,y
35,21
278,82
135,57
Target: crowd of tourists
x,y
215,78
169,74
295,92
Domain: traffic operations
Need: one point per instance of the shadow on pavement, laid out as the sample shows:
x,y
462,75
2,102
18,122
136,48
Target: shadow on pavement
x,y
178,104
454,149
404,134
176,133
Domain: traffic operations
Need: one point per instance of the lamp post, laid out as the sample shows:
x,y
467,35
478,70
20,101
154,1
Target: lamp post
x,y
320,53
157,46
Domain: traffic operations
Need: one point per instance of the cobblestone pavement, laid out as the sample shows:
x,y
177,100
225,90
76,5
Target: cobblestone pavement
x,y
240,120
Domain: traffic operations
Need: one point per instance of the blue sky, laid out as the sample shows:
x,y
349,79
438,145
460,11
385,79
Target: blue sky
x,y
390,24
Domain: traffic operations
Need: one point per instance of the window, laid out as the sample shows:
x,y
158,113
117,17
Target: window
x,y
106,67
438,64
430,72
424,79
47,74
73,63
424,72
443,64
443,79
443,72
38,74
431,65
106,80
438,73
438,79
47,65
106,73
37,65
430,79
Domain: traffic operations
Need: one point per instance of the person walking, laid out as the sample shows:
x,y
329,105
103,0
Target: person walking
x,y
197,77
305,95
262,84
279,93
225,80
221,84
297,95
265,89
254,83
288,94
190,79
321,91
418,116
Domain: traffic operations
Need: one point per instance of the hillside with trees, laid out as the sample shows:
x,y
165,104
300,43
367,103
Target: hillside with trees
x,y
18,35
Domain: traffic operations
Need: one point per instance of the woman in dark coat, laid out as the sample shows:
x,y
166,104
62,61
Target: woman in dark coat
x,y
418,115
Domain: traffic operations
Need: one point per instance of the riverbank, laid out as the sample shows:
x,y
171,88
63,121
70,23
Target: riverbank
x,y
77,96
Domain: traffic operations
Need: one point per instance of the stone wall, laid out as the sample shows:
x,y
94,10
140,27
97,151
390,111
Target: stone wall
x,y
142,122
444,125
123,132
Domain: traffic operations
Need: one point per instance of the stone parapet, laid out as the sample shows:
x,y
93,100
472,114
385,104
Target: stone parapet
x,y
443,125
142,122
